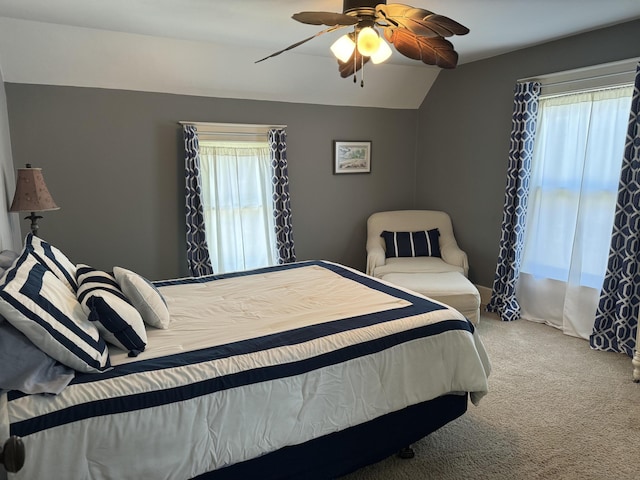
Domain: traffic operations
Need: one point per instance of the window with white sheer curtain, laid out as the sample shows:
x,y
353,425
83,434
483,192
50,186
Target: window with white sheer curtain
x,y
238,204
578,151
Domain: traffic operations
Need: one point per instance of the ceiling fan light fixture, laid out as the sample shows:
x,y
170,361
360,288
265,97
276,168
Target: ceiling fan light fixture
x,y
343,48
415,33
383,53
368,42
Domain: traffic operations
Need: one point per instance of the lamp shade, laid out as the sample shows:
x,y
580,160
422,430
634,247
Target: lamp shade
x,y
368,41
343,48
32,194
382,54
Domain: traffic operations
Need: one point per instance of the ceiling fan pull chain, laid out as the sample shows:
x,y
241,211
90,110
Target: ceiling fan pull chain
x,y
362,72
355,64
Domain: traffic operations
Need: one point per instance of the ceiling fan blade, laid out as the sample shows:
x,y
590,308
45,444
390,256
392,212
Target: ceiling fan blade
x,y
325,18
445,24
430,50
297,44
418,21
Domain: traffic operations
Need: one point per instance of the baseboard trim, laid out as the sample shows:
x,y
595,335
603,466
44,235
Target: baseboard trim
x,y
485,295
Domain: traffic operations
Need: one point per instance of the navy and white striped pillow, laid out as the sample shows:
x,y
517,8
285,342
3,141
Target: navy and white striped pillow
x,y
42,307
109,309
53,259
424,243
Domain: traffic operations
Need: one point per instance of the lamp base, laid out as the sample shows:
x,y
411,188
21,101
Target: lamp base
x,y
34,222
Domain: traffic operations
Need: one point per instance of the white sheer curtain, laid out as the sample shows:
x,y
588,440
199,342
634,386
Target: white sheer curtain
x,y
574,182
238,205
10,236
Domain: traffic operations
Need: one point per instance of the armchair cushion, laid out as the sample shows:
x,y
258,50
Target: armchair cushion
x,y
423,243
416,265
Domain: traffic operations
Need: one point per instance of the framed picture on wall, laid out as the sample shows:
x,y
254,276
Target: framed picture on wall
x,y
351,157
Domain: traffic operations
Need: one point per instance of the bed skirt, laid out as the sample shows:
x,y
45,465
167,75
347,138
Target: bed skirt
x,y
343,452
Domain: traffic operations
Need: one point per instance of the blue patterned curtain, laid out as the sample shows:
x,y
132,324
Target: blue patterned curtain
x,y
617,314
197,250
281,198
525,112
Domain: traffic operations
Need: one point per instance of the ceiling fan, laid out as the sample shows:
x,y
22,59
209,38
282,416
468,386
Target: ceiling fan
x,y
414,32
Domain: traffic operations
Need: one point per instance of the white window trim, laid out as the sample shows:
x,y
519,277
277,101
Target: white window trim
x,y
232,132
594,77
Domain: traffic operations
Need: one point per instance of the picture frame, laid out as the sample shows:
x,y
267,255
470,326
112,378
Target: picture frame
x,y
351,157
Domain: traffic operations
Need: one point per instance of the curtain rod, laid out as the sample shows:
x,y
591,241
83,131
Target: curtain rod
x,y
233,134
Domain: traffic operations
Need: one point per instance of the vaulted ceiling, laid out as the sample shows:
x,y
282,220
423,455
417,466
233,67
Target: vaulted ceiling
x,y
208,47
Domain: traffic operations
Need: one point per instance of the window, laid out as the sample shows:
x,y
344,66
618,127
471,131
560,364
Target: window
x,y
576,164
238,204
575,172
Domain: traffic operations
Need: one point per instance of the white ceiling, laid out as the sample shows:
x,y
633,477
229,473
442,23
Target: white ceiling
x,y
208,47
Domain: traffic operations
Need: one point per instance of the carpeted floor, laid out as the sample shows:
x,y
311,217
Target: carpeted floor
x,y
555,410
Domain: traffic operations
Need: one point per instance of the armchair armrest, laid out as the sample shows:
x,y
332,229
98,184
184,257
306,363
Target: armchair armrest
x,y
375,255
453,255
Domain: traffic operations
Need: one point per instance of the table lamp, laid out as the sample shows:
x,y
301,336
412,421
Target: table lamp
x,y
32,195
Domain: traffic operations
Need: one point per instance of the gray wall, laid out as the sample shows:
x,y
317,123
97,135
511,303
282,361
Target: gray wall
x,y
113,161
463,133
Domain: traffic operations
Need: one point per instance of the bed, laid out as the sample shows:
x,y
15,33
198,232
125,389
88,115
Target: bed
x,y
305,370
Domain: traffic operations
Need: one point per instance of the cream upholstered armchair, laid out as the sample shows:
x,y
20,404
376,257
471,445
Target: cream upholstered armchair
x,y
440,277
453,258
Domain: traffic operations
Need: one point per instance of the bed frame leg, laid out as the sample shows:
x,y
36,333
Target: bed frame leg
x,y
406,452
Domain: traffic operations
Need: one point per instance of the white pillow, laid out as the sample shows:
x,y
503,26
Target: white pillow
x,y
43,308
107,307
144,296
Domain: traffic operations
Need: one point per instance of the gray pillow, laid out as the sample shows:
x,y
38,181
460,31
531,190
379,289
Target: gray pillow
x,y
25,367
7,257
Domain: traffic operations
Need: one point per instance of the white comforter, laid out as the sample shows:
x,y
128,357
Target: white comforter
x,y
249,364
